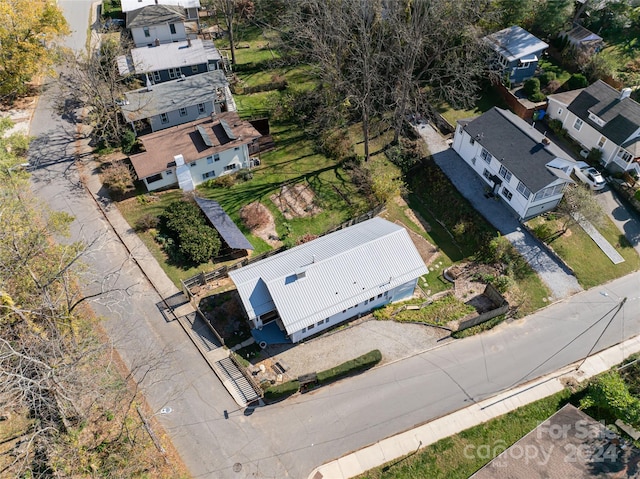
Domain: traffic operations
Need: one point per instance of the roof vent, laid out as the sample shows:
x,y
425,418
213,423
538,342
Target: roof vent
x,y
625,93
301,273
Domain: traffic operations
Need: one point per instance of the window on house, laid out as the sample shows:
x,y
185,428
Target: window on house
x,y
485,155
524,64
164,118
577,124
201,108
146,31
209,160
230,167
156,77
548,192
506,174
380,296
560,110
472,141
183,111
154,178
304,330
601,141
172,28
371,299
366,301
236,148
194,68
386,293
192,164
507,194
320,322
169,172
487,174
326,320
174,73
311,326
216,157
209,174
624,155
523,190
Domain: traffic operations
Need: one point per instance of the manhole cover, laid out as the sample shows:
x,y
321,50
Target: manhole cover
x,y
237,467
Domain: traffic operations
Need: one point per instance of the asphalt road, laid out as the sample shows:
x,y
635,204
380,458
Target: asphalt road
x,y
291,438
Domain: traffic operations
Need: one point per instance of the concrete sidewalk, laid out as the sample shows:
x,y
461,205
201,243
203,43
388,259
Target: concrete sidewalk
x,y
410,441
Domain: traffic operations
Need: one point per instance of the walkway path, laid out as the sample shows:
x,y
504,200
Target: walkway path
x,y
598,239
553,273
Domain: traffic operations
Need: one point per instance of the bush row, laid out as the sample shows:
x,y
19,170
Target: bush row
x,y
353,366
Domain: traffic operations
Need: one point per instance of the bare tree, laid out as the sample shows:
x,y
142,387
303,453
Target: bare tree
x,y
578,204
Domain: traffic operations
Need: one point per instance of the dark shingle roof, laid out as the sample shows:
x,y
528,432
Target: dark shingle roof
x,y
223,224
622,116
155,15
517,145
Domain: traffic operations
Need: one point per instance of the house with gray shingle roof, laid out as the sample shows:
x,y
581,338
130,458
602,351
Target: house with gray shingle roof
x,y
516,52
519,164
319,284
158,24
170,61
178,101
604,118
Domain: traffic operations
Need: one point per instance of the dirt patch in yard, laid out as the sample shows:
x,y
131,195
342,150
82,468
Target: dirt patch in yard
x,y
415,217
427,251
261,223
295,201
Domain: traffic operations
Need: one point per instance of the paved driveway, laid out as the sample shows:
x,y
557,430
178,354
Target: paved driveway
x,y
554,274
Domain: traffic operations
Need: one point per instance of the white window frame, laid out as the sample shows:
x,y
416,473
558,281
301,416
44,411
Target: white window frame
x,y
194,68
505,173
230,167
523,190
156,77
602,141
147,32
210,160
577,124
174,73
506,194
486,156
208,174
172,29
164,118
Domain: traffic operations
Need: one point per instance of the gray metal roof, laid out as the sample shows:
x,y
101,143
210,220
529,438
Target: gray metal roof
x,y
172,95
342,269
514,43
622,115
155,15
223,224
129,5
517,145
168,55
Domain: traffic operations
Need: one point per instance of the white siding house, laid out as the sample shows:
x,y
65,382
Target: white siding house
x,y
519,165
158,24
319,284
601,117
191,6
178,101
189,154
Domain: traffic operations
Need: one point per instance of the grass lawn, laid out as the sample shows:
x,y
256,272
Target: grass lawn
x,y
591,265
446,459
488,98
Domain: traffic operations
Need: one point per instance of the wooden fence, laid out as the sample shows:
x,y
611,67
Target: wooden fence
x,y
202,279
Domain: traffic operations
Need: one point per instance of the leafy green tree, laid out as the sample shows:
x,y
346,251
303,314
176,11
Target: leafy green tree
x,y
551,16
28,30
610,393
515,12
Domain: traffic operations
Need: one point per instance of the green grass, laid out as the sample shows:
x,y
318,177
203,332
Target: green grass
x,y
487,99
439,312
446,459
281,391
591,266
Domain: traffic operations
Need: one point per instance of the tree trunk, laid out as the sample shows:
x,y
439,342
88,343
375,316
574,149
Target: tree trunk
x,y
365,133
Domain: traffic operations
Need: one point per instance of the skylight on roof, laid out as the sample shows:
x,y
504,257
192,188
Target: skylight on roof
x,y
204,135
227,130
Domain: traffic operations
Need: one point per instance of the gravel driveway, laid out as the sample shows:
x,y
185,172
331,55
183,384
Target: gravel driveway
x,y
394,340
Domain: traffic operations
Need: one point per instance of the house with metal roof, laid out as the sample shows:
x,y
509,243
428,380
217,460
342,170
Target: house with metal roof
x,y
516,52
319,284
178,101
604,118
157,24
170,61
188,154
519,164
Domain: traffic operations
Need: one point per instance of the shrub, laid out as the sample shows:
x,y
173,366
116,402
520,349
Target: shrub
x,y
637,195
531,86
406,154
146,222
577,80
337,144
556,127
255,216
117,177
127,141
594,156
542,231
245,174
552,86
359,364
193,240
546,78
537,97
281,391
